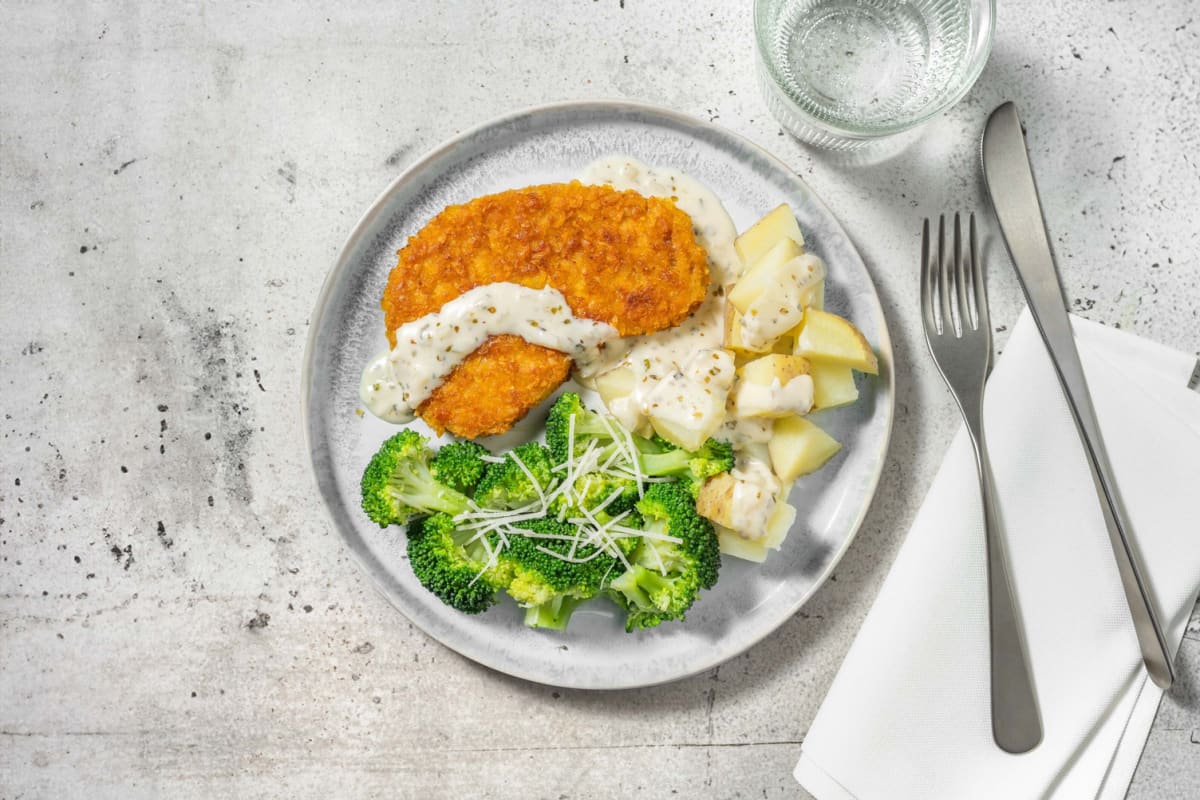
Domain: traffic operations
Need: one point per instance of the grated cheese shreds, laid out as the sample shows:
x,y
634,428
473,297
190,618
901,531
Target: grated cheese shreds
x,y
653,535
493,556
519,515
619,461
572,558
662,568
626,440
537,486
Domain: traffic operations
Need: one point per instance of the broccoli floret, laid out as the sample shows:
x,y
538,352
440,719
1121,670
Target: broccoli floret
x,y
592,491
588,425
398,485
506,485
667,508
538,575
550,587
553,615
666,577
662,444
714,457
657,457
457,572
650,598
459,465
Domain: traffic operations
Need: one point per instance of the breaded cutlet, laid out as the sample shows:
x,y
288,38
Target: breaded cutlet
x,y
617,256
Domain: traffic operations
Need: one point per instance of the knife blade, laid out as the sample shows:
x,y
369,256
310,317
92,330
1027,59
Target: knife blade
x,y
1013,191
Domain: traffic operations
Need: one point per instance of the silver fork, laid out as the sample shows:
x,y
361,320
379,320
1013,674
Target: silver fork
x,y
959,333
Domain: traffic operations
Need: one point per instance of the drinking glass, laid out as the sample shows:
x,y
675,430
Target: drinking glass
x,y
843,73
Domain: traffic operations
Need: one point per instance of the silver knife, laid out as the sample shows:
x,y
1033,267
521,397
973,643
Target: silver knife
x,y
1014,197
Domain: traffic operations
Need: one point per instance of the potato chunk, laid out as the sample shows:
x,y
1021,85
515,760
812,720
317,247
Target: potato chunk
x,y
775,367
762,273
778,526
615,384
782,297
687,407
779,223
833,385
733,334
817,298
616,388
827,337
798,447
742,500
715,500
774,386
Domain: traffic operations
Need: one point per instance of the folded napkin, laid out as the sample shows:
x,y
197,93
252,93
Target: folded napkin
x,y
908,714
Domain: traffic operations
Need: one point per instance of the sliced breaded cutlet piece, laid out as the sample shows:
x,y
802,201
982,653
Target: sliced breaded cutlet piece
x,y
617,256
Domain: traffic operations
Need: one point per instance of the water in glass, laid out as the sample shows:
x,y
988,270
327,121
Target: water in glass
x,y
864,64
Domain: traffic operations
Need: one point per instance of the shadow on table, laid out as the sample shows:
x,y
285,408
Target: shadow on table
x,y
1009,75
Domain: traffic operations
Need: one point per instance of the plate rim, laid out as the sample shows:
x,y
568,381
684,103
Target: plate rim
x,y
360,230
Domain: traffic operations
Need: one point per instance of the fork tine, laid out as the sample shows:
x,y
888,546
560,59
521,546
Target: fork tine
x,y
969,298
962,280
980,282
943,284
927,287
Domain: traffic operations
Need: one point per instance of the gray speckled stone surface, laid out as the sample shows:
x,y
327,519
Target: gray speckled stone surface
x,y
178,619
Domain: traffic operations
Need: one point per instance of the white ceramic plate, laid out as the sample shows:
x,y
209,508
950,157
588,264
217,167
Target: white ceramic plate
x,y
552,144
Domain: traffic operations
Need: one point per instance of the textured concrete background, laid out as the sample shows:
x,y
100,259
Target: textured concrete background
x,y
177,618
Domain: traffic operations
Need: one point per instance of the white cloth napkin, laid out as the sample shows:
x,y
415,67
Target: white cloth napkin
x,y
908,714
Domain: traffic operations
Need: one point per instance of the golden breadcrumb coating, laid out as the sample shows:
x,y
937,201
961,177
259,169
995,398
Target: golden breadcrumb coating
x,y
617,256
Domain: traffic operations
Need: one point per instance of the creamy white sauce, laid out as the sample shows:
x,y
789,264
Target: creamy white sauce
x,y
711,369
777,400
694,397
428,349
677,402
780,310
629,414
744,431
756,491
